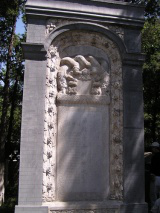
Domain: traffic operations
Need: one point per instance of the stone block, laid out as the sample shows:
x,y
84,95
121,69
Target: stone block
x,y
132,79
133,165
83,147
36,30
133,109
31,209
132,39
134,208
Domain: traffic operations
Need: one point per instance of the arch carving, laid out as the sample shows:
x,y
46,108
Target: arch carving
x,y
69,67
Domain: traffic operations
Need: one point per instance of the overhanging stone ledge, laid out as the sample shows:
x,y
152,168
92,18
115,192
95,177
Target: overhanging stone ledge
x,y
101,11
31,208
33,51
110,204
133,59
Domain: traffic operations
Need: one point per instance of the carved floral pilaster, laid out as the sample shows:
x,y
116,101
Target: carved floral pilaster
x,y
50,124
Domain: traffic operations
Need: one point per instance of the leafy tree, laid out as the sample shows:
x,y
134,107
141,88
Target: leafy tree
x,y
11,75
152,7
151,79
151,69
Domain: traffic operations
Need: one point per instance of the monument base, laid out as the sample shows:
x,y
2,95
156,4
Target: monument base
x,y
84,207
31,209
134,208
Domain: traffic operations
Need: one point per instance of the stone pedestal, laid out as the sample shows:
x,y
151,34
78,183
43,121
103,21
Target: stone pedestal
x,y
82,122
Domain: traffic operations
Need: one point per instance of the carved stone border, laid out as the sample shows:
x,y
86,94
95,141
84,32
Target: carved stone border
x,y
81,38
53,23
50,126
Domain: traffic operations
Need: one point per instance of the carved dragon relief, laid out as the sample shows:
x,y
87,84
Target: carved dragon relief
x,y
81,69
63,77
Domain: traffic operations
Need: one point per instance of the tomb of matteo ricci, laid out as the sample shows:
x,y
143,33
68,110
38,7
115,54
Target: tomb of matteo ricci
x,y
82,121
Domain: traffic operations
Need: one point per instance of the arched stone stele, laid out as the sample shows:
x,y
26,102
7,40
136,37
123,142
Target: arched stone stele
x,y
84,69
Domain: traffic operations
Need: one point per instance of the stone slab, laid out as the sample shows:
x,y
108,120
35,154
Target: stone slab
x,y
77,205
134,208
132,78
82,165
133,109
31,209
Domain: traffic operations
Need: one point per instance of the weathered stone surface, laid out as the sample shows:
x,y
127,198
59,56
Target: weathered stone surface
x,y
93,78
82,123
31,209
82,162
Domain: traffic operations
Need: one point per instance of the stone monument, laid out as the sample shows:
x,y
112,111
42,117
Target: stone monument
x,y
82,121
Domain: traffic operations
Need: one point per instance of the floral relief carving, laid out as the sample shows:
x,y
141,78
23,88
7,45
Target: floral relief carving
x,y
49,154
53,23
118,30
62,79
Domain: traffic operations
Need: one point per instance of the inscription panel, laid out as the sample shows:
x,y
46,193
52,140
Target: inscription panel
x,y
82,153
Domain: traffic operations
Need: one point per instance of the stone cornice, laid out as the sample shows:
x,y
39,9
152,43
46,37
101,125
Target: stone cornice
x,y
32,51
133,59
93,10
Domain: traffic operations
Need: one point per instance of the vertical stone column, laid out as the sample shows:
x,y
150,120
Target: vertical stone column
x,y
32,131
133,136
133,123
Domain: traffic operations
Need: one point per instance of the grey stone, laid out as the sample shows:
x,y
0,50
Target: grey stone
x,y
82,121
100,11
133,108
82,26
31,209
134,208
132,40
34,51
35,30
32,134
133,165
82,147
132,78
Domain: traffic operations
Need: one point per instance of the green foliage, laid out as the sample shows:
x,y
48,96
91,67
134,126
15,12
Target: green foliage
x,y
11,86
6,209
152,8
11,63
151,80
151,69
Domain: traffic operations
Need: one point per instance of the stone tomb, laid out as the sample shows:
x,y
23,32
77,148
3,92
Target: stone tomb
x,y
82,122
